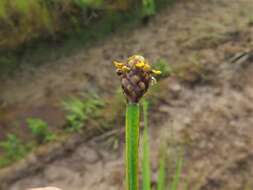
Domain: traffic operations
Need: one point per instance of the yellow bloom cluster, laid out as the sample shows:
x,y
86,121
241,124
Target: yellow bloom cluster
x,y
135,62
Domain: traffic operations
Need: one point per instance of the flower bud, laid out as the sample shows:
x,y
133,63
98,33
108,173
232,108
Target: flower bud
x,y
136,76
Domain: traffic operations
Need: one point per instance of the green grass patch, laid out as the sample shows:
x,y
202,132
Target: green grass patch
x,y
79,111
40,130
14,149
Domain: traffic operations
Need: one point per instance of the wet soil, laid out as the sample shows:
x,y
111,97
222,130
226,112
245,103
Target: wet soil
x,y
207,111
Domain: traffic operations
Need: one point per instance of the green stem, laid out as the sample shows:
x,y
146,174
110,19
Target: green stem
x,y
132,142
146,176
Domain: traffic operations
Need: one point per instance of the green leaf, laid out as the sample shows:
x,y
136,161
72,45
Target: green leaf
x,y
161,174
40,129
148,7
78,111
14,149
146,181
176,178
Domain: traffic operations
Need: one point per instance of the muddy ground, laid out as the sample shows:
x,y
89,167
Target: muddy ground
x,y
207,111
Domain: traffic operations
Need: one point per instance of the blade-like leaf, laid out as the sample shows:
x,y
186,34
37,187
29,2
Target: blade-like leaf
x,y
146,178
161,174
176,178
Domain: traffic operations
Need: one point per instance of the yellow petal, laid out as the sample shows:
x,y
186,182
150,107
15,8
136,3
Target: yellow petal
x,y
140,64
118,64
146,67
125,69
156,72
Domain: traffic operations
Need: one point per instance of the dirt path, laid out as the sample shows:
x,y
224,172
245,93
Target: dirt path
x,y
208,112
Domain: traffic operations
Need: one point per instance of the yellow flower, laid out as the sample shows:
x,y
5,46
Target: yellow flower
x,y
136,76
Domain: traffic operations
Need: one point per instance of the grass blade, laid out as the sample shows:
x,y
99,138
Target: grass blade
x,y
146,176
161,175
186,185
176,178
132,141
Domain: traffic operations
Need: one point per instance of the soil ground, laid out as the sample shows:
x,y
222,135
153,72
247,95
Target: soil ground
x,y
207,111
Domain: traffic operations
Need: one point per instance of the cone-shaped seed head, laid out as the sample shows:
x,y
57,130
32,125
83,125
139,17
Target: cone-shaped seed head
x,y
136,76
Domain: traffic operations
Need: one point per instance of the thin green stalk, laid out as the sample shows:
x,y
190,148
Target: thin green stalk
x,y
176,178
161,174
146,181
186,185
132,142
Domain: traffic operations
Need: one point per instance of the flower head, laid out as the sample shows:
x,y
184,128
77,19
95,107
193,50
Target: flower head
x,y
136,76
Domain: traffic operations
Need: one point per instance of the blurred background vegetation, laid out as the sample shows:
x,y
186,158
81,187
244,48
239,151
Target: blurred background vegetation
x,y
36,31
29,27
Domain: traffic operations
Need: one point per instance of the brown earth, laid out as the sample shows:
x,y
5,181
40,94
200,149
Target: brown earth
x,y
207,109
